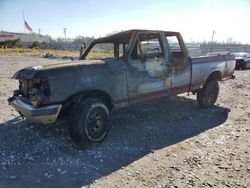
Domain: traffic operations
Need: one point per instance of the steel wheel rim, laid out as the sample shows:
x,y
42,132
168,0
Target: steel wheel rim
x,y
96,123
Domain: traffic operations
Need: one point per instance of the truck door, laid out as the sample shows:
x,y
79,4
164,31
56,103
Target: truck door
x,y
149,68
179,58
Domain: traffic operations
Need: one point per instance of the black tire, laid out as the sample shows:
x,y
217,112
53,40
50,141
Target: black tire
x,y
237,67
207,96
89,121
247,64
244,66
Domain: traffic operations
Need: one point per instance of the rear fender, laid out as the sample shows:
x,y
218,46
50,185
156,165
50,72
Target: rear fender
x,y
215,74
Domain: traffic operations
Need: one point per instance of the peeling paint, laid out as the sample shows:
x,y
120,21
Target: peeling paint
x,y
154,69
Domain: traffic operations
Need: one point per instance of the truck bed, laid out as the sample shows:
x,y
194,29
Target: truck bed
x,y
203,66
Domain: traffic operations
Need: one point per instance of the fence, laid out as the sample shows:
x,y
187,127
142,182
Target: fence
x,y
201,49
195,49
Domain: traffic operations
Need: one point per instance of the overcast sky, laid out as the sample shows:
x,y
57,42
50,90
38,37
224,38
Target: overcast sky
x,y
195,19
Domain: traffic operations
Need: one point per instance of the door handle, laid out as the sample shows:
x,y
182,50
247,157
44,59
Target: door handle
x,y
169,65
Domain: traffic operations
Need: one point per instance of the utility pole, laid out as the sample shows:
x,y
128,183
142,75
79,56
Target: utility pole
x,y
212,40
23,23
64,31
39,34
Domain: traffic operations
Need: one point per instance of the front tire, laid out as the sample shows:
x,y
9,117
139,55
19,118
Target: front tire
x,y
89,121
207,96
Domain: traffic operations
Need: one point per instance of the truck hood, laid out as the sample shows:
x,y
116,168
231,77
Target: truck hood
x,y
58,68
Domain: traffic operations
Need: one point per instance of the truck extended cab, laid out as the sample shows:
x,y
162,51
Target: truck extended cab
x,y
114,72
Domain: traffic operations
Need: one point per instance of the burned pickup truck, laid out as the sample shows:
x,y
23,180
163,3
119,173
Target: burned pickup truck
x,y
114,72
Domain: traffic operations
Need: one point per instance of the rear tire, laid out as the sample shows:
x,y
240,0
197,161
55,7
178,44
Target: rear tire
x,y
89,121
207,96
244,66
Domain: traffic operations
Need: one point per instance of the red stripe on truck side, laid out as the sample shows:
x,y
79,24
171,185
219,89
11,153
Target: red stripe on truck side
x,y
158,94
211,59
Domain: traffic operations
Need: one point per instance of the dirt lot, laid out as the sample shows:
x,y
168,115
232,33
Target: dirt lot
x,y
166,143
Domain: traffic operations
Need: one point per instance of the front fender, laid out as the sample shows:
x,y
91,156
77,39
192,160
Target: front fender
x,y
112,84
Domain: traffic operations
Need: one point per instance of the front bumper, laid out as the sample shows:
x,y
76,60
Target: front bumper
x,y
45,114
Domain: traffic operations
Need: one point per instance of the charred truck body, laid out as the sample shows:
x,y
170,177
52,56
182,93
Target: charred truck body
x,y
114,72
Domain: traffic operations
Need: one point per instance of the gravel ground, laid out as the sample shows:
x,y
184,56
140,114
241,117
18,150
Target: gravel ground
x,y
166,143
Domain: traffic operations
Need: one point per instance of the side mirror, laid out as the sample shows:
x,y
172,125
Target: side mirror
x,y
82,48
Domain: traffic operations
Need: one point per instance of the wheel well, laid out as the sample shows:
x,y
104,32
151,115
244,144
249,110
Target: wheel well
x,y
217,75
107,99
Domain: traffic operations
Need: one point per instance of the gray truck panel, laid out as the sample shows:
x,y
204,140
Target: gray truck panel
x,y
126,80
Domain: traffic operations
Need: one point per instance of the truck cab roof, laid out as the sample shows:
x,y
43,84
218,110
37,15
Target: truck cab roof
x,y
128,33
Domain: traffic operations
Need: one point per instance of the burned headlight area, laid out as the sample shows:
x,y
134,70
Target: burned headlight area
x,y
33,90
